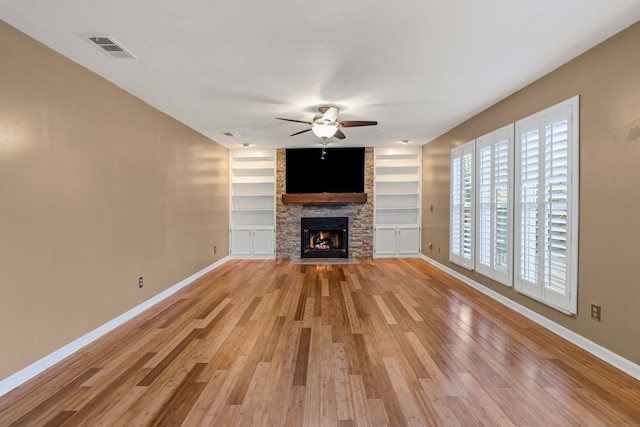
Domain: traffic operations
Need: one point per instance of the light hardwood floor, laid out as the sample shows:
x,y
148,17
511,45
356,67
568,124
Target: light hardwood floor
x,y
383,342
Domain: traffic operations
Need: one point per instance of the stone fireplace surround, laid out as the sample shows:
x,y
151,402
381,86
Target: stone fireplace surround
x,y
288,215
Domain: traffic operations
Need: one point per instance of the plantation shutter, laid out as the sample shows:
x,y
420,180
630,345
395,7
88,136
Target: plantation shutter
x,y
461,236
494,159
547,205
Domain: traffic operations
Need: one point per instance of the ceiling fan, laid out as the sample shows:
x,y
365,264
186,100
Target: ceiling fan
x,y
325,124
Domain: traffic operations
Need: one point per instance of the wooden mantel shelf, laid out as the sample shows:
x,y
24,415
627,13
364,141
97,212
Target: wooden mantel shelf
x,y
325,198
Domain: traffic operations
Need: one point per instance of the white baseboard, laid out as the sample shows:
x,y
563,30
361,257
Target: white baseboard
x,y
597,350
232,256
51,359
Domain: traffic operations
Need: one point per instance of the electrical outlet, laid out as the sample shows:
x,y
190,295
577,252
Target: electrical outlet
x,y
215,249
140,282
596,312
430,246
438,249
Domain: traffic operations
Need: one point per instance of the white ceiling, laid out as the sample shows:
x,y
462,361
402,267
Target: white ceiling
x,y
418,67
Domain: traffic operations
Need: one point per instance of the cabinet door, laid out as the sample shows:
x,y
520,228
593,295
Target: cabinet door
x,y
385,241
263,241
241,241
408,240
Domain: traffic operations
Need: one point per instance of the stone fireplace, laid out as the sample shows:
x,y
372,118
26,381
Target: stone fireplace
x,y
288,216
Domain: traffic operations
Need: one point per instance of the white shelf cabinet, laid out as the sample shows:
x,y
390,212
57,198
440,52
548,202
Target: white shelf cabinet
x,y
252,216
397,241
253,242
397,201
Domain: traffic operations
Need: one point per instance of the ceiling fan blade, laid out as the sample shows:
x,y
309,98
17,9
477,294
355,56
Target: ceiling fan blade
x,y
295,121
339,134
354,123
298,133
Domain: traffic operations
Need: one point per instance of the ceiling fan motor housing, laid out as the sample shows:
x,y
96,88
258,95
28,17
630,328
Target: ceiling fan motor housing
x,y
319,119
326,115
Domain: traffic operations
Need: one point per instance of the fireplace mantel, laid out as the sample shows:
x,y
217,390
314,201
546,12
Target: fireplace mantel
x,y
325,198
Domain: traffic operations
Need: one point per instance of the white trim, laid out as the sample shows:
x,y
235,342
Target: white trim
x,y
20,377
597,350
461,152
232,256
492,141
397,256
536,287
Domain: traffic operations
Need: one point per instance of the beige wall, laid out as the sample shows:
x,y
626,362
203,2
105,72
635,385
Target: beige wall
x,y
97,188
607,78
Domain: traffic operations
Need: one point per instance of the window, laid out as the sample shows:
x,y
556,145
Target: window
x,y
546,208
461,235
514,205
494,182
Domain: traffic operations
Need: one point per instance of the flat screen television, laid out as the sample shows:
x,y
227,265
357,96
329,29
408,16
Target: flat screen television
x,y
340,170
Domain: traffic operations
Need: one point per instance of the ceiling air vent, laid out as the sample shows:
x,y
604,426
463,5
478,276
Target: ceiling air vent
x,y
109,45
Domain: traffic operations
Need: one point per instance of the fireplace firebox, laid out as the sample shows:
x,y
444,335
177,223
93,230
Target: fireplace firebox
x,y
325,237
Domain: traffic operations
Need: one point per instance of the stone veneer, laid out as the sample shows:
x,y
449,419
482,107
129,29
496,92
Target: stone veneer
x,y
288,216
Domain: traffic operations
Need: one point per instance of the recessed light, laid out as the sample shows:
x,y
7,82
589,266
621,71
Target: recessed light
x,y
246,145
228,134
405,142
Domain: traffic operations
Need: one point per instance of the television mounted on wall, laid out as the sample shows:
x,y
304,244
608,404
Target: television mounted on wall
x,y
339,170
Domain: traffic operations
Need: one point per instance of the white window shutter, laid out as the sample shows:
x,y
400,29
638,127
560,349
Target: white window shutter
x,y
547,205
494,170
455,199
462,214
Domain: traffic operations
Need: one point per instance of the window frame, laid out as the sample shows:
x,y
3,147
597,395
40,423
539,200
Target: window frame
x,y
554,223
500,139
538,287
457,207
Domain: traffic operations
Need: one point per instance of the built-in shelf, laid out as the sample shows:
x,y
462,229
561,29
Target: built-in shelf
x,y
325,198
397,201
252,176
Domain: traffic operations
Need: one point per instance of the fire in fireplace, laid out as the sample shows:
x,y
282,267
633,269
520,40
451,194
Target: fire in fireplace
x,y
325,237
324,240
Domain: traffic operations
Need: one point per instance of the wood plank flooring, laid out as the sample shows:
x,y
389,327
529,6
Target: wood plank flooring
x,y
384,342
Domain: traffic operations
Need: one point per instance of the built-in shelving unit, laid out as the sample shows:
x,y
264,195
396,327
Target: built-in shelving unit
x,y
252,177
397,201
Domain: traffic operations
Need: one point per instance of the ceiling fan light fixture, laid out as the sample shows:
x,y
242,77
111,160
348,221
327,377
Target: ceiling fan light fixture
x,y
324,130
325,124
